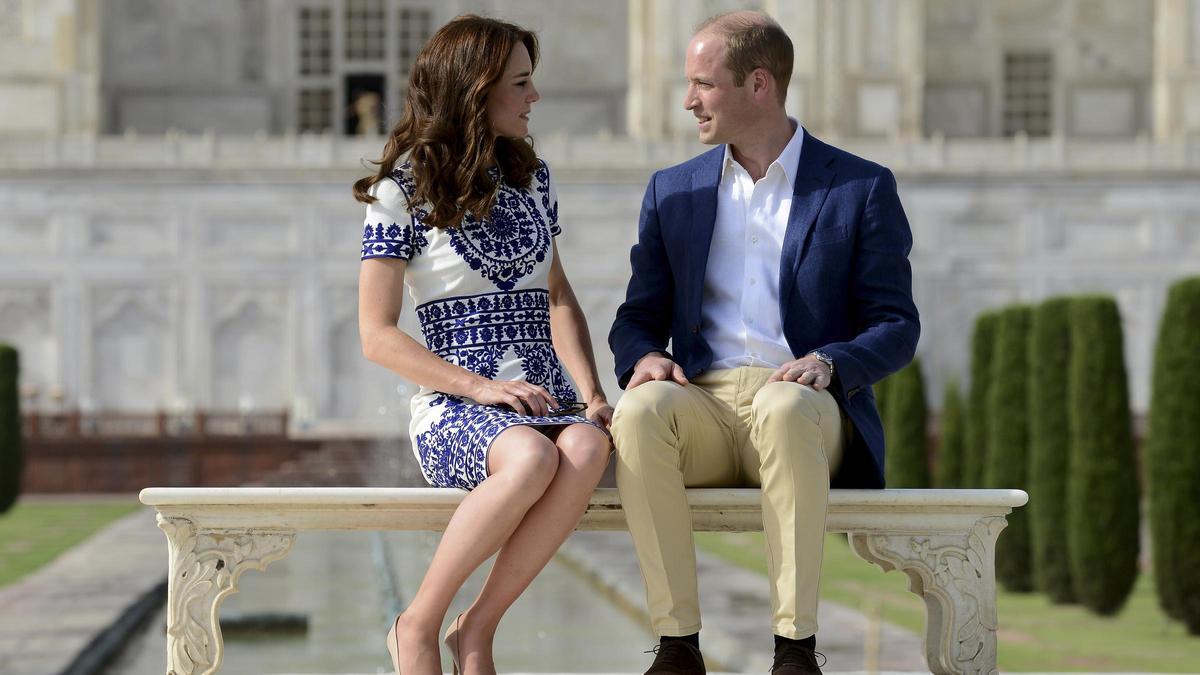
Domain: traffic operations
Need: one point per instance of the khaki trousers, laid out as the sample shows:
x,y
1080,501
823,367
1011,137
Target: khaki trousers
x,y
727,428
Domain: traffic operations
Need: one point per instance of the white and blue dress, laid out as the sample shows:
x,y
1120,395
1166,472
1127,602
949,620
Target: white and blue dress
x,y
482,298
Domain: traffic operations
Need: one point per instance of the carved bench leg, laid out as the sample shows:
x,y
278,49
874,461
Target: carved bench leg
x,y
955,575
204,568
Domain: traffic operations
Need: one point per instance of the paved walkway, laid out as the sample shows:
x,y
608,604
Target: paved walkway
x,y
736,605
57,617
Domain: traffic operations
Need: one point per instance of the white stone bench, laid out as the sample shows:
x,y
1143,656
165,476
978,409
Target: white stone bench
x,y
943,540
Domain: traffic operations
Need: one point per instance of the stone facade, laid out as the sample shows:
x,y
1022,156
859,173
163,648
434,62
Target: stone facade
x,y
168,241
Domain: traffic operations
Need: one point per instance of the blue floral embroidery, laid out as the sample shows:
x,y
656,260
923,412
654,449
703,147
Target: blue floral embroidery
x,y
453,453
476,331
487,333
509,244
542,174
393,241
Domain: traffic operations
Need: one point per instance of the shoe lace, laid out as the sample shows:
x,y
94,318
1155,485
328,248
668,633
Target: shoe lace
x,y
669,653
799,656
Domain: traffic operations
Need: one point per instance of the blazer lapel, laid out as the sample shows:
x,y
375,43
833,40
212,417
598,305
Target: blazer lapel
x,y
704,217
814,176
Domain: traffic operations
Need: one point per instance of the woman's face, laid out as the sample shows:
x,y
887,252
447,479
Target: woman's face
x,y
510,101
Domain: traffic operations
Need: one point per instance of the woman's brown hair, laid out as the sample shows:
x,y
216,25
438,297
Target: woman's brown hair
x,y
445,128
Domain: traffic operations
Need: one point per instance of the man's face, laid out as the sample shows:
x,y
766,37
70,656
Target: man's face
x,y
723,111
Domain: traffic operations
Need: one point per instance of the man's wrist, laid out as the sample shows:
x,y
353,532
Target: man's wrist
x,y
825,358
648,355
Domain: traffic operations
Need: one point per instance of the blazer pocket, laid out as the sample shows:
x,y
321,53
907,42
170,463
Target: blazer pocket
x,y
828,235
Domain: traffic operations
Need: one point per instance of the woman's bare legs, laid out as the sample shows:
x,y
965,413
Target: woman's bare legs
x,y
523,463
583,454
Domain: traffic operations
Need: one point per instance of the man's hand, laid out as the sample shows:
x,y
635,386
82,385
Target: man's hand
x,y
655,366
804,370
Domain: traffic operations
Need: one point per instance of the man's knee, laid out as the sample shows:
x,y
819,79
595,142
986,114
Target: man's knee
x,y
789,401
651,400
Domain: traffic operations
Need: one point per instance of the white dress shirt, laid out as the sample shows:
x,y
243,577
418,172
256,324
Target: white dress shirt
x,y
740,314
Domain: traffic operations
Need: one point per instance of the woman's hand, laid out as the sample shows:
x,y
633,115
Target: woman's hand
x,y
524,398
599,411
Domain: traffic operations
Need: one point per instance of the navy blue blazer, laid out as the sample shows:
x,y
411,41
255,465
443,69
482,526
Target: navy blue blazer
x,y
845,283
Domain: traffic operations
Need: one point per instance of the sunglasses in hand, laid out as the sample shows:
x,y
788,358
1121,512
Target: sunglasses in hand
x,y
564,408
568,408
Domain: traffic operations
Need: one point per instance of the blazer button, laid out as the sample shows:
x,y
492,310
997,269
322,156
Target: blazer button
x,y
695,329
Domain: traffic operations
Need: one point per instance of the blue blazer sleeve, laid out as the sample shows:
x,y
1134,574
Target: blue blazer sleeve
x,y
881,288
643,322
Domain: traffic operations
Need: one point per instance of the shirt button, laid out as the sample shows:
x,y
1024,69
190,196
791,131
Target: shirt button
x,y
752,281
754,240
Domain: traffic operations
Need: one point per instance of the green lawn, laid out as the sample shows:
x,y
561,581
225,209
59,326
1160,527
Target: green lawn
x,y
34,532
1035,635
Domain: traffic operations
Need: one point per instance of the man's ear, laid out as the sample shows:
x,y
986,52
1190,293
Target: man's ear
x,y
762,81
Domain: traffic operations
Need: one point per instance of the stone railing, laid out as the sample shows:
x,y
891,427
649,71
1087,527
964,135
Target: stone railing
x,y
601,152
942,540
76,424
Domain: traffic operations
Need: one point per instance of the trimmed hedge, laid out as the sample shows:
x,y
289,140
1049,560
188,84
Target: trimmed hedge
x,y
10,429
907,464
1008,441
975,446
1102,488
1049,447
1173,456
952,436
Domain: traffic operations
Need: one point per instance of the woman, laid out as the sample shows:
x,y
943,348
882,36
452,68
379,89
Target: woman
x,y
495,414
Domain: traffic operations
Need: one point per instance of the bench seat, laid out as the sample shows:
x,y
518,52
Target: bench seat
x,y
943,540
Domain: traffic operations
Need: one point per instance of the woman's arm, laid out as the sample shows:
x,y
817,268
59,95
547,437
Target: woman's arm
x,y
380,297
572,341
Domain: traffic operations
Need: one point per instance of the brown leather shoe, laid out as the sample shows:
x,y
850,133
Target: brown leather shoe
x,y
676,657
793,659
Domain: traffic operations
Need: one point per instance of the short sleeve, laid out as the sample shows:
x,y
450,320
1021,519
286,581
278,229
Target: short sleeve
x,y
389,230
549,194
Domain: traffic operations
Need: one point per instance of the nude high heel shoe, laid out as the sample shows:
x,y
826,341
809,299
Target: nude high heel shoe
x,y
451,642
392,642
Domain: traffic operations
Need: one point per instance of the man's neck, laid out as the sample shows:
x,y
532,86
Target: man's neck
x,y
756,154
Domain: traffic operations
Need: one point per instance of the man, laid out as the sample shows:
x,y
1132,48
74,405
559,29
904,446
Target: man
x,y
777,266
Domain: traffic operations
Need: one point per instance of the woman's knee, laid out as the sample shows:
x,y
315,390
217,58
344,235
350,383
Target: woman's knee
x,y
584,447
530,457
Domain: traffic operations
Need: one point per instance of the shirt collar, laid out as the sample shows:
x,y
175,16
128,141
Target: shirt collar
x,y
788,160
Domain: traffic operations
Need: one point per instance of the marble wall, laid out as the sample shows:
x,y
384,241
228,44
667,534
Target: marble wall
x,y
236,290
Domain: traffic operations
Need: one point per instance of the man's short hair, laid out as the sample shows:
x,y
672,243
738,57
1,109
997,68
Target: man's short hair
x,y
753,40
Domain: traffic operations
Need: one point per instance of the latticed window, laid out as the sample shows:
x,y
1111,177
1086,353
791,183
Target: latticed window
x,y
316,39
314,108
365,30
415,28
1028,93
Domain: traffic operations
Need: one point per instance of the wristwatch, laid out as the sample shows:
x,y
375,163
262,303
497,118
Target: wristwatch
x,y
823,358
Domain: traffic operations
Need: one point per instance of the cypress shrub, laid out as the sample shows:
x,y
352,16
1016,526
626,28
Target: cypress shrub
x,y
10,429
975,445
1008,441
1173,456
950,446
1102,489
1049,447
907,464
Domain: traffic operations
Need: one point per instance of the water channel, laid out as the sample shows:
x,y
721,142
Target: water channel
x,y
338,582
